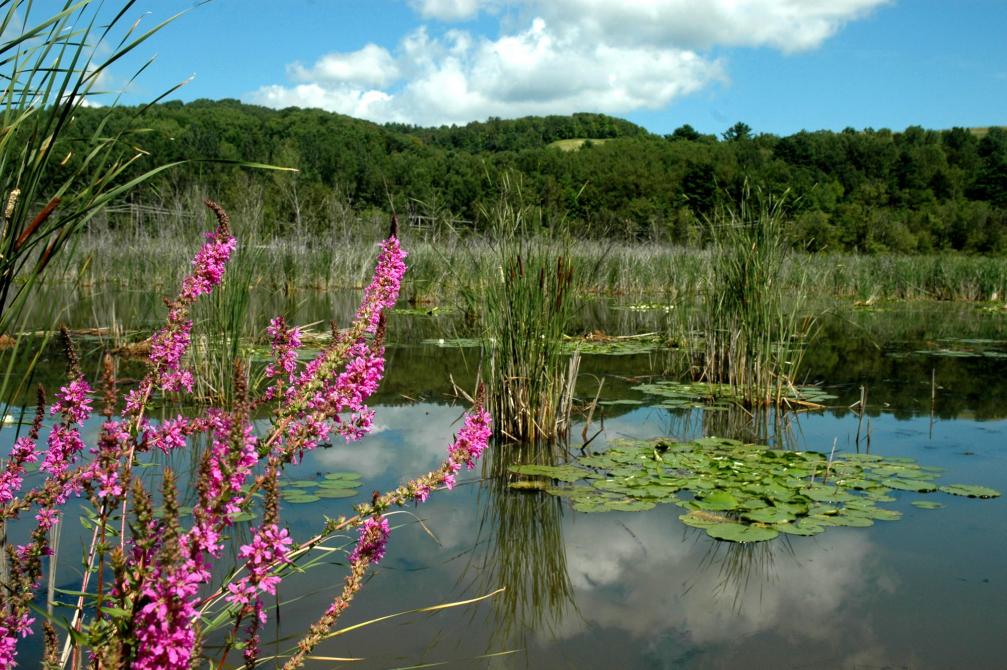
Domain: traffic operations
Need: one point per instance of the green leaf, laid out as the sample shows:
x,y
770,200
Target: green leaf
x,y
736,532
927,504
800,527
768,515
701,519
326,492
917,485
717,500
563,473
970,491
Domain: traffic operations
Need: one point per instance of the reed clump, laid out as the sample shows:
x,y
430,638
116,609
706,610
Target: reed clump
x,y
750,327
525,302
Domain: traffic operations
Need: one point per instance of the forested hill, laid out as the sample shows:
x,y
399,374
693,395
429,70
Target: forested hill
x,y
867,190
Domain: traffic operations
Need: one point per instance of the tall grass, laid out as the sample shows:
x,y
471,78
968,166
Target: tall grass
x,y
750,323
55,175
224,331
145,247
525,304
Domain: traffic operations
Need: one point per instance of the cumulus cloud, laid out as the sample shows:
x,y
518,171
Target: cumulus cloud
x,y
370,66
554,57
447,10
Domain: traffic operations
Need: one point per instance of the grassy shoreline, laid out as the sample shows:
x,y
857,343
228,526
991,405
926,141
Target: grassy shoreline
x,y
441,267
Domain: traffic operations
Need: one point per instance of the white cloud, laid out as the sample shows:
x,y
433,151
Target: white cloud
x,y
554,57
447,10
788,25
370,66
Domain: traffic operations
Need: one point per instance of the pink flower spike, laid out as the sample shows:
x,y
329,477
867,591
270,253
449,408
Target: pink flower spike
x,y
372,541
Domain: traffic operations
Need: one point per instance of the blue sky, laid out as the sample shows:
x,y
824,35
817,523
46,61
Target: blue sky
x,y
778,65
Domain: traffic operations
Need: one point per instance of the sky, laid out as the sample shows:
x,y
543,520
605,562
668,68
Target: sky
x,y
778,65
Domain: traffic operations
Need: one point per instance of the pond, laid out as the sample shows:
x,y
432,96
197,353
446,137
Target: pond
x,y
642,589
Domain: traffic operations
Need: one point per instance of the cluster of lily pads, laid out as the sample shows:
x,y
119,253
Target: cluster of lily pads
x,y
609,346
962,348
742,492
330,485
714,396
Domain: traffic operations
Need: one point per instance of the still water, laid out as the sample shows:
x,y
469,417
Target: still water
x,y
642,590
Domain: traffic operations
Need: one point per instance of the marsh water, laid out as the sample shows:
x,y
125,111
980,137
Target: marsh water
x,y
641,589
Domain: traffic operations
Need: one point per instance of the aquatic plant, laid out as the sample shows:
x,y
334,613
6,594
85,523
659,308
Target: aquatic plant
x,y
744,492
750,328
145,598
50,187
524,304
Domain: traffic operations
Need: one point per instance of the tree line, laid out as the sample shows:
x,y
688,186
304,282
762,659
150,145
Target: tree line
x,y
914,190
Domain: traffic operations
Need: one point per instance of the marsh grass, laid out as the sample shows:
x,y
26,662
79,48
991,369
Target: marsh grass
x,y
524,300
224,333
750,323
136,245
54,174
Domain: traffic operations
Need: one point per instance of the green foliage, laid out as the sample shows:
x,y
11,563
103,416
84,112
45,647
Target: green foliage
x,y
524,299
867,191
59,164
741,492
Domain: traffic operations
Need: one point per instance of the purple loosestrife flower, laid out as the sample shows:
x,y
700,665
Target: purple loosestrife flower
x,y
228,468
72,401
208,265
167,346
166,625
64,446
169,435
472,439
372,541
13,474
113,444
285,344
383,291
270,545
12,627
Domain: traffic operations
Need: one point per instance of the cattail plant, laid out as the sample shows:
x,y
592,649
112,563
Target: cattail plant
x,y
146,584
749,325
525,306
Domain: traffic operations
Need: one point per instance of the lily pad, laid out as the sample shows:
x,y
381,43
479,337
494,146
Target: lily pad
x,y
564,473
737,532
970,491
717,501
723,481
326,492
927,504
301,499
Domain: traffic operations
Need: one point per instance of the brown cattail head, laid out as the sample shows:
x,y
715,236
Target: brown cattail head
x,y
36,222
394,228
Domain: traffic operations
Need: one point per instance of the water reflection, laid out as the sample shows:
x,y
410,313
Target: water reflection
x,y
524,549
